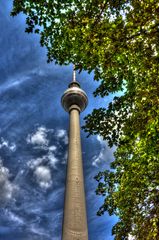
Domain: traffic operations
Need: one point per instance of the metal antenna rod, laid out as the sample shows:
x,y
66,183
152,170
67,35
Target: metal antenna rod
x,y
74,74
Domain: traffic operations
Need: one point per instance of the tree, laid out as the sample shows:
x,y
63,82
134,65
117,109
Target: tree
x,y
118,40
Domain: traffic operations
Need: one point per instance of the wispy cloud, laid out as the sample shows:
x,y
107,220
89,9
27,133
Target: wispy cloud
x,y
105,154
39,231
11,83
14,217
62,134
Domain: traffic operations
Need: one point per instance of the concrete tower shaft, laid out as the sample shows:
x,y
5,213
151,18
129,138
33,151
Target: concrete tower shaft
x,y
74,101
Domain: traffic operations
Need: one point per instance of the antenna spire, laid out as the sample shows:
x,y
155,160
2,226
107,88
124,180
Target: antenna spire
x,y
74,74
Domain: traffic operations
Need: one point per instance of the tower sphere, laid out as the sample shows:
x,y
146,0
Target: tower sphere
x,y
74,95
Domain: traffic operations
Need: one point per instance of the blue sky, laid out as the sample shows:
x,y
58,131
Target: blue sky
x,y
33,140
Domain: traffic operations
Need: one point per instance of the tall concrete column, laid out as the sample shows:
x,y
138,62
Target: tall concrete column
x,y
74,101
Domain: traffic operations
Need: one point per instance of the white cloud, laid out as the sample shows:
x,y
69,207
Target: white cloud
x,y
32,164
39,137
43,176
49,159
41,169
61,133
52,159
105,154
52,148
6,144
6,187
42,166
12,147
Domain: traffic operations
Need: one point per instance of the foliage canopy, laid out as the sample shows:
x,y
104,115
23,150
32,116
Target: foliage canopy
x,y
119,41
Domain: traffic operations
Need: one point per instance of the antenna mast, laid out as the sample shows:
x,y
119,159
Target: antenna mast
x,y
74,74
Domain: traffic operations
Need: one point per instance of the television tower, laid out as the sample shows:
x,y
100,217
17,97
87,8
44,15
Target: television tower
x,y
74,101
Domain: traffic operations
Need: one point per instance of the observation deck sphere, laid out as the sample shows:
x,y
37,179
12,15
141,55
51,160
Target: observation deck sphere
x,y
74,95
